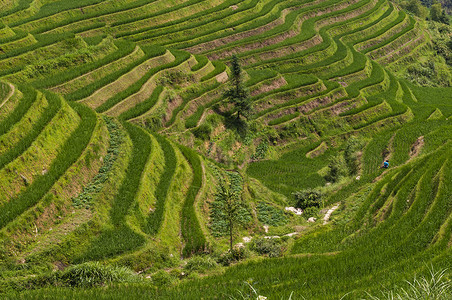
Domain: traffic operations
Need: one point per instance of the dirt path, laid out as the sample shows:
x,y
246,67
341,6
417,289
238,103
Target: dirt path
x,y
11,93
416,147
327,216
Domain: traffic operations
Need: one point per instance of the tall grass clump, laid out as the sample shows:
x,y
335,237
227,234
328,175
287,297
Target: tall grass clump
x,y
92,274
436,286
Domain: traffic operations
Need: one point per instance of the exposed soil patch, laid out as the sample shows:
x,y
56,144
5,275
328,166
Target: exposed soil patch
x,y
395,45
416,147
275,84
393,31
307,107
222,77
176,102
401,51
210,45
283,51
289,95
291,33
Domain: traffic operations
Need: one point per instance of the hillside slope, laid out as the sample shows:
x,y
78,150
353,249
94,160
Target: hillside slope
x,y
115,134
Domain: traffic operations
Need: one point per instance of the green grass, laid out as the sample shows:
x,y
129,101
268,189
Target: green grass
x,y
293,171
25,142
92,87
195,242
136,86
124,49
154,221
20,110
390,223
142,107
219,68
69,153
121,238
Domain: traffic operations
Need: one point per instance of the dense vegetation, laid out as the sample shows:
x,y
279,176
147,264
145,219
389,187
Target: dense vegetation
x,y
123,122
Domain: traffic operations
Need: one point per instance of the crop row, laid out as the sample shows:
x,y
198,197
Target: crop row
x,y
119,237
16,141
138,91
308,31
195,242
156,217
83,75
90,89
68,154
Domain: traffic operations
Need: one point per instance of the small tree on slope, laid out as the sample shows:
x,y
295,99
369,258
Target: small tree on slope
x,y
237,94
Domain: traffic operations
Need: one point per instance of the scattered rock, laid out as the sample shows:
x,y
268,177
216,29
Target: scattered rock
x,y
312,220
247,239
328,213
297,211
239,245
291,234
26,182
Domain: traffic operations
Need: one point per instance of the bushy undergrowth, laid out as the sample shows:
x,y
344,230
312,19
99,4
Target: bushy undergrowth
x,y
436,286
86,275
266,246
233,255
200,264
85,197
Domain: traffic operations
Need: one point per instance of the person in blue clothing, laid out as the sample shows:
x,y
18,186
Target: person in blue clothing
x,y
386,164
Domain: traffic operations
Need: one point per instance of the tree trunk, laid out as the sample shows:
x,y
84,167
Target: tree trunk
x,y
230,235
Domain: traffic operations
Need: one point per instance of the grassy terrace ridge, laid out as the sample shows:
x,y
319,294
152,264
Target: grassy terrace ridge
x,y
127,152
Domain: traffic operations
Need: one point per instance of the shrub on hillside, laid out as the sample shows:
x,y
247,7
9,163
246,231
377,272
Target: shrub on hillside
x,y
94,274
162,278
351,154
307,198
200,263
309,201
337,168
269,247
202,132
233,255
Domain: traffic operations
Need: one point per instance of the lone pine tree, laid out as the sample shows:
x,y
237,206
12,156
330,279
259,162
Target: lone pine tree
x,y
237,94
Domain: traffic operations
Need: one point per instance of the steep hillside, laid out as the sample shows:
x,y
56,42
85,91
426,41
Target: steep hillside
x,y
116,136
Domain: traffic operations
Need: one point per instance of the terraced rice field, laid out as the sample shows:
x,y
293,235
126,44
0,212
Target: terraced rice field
x,y
104,156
